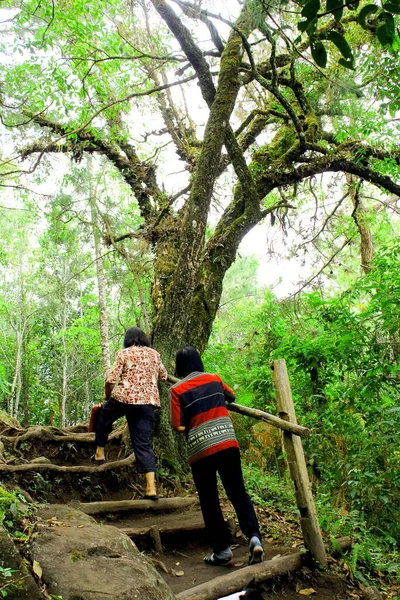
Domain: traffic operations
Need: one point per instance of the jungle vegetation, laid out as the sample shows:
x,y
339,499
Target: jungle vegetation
x,y
141,143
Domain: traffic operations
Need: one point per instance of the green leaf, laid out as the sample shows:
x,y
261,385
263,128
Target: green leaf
x,y
311,9
365,12
308,26
340,43
386,31
392,8
319,54
348,64
336,8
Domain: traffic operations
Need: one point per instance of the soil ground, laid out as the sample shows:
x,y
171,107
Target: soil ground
x,y
181,564
186,569
182,567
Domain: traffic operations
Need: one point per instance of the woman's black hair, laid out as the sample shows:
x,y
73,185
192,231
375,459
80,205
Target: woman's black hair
x,y
135,337
187,360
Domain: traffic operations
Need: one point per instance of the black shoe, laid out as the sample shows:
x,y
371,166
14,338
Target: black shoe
x,y
147,497
97,461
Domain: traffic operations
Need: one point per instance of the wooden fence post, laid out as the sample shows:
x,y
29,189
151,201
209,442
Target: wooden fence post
x,y
297,465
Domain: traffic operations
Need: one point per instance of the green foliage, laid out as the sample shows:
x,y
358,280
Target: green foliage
x,y
8,503
342,355
315,15
5,585
268,490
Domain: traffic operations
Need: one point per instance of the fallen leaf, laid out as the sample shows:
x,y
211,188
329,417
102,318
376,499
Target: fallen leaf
x,y
177,564
239,564
307,592
179,573
37,569
46,594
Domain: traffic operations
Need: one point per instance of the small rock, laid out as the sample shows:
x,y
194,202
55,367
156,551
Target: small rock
x,y
41,460
371,593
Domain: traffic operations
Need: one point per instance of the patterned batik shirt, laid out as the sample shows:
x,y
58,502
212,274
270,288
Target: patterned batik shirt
x,y
136,372
198,404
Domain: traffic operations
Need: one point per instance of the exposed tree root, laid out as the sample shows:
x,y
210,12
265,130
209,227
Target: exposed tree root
x,y
126,462
55,434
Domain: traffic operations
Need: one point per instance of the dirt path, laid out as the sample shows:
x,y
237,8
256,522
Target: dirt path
x,y
184,546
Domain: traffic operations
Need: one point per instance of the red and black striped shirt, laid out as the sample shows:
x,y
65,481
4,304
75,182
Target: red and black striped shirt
x,y
198,404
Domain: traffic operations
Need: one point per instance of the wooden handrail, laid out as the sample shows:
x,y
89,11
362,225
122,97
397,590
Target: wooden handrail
x,y
255,413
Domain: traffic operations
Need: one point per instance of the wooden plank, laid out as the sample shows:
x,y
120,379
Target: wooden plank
x,y
297,465
156,539
140,530
97,508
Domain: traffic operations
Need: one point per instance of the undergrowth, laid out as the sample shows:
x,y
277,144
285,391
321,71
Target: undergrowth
x,y
374,557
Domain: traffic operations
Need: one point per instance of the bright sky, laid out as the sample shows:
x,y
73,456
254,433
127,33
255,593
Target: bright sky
x,y
282,274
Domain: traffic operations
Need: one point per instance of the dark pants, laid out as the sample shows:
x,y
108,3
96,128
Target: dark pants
x,y
140,419
227,464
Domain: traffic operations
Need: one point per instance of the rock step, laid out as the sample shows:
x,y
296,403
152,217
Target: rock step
x,y
118,506
20,585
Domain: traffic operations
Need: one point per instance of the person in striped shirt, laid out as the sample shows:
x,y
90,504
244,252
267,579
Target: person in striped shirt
x,y
198,408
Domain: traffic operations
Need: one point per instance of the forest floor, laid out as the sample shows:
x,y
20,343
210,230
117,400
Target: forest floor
x,y
180,561
182,567
186,569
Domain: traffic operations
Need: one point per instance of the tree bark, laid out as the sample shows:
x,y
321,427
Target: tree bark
x,y
98,508
64,357
101,279
359,216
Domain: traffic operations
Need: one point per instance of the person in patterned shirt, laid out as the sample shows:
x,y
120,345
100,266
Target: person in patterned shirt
x,y
198,408
131,389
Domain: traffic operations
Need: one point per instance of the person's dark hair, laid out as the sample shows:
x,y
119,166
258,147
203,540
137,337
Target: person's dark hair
x,y
135,337
187,360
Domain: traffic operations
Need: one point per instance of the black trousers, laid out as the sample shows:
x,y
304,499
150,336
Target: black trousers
x,y
227,464
140,419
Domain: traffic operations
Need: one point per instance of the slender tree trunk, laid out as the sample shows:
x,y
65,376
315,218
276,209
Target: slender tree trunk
x,y
143,307
64,389
86,385
101,279
25,388
15,394
359,216
18,371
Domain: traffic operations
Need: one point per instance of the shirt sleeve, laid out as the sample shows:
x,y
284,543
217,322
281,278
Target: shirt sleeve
x,y
115,373
177,415
162,371
228,393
